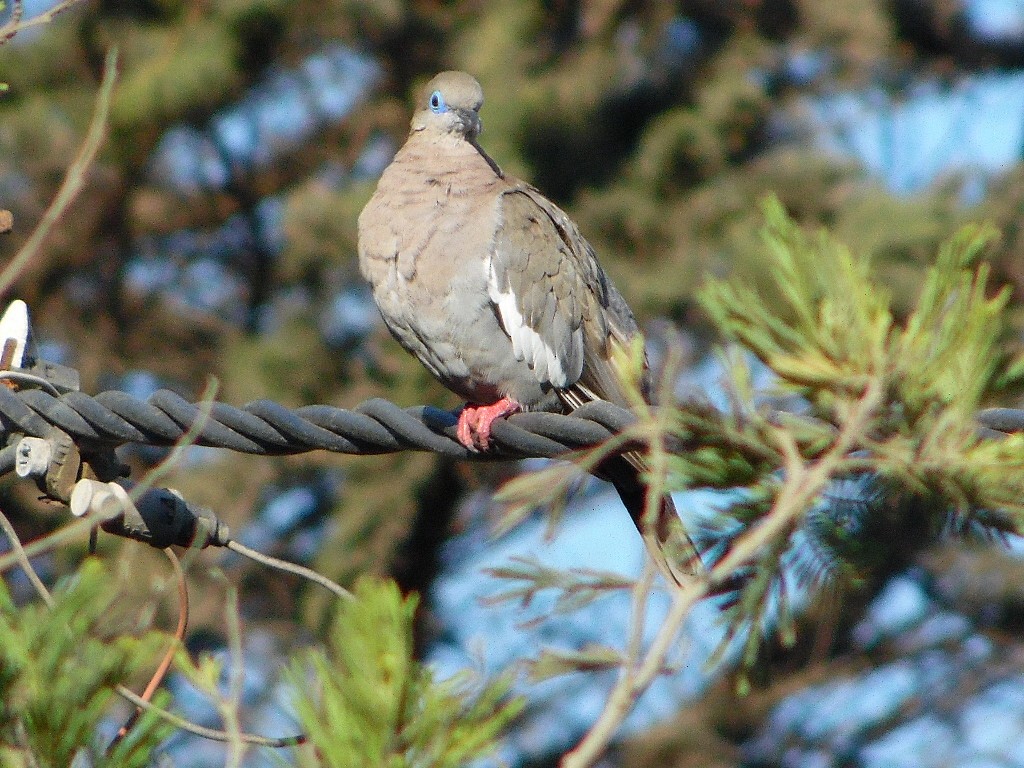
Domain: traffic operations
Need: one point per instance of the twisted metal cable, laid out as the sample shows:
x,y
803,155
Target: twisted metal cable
x,y
376,426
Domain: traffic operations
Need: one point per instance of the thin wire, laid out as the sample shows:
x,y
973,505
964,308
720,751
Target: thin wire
x,y
21,377
24,562
284,565
165,663
207,733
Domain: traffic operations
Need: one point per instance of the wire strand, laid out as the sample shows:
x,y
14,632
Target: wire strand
x,y
165,663
284,565
208,733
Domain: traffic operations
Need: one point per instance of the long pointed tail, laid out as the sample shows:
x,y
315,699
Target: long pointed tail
x,y
664,536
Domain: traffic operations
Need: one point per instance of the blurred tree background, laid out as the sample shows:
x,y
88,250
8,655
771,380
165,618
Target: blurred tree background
x,y
216,236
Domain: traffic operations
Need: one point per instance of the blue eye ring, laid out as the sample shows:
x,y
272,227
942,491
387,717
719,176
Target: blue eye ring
x,y
437,105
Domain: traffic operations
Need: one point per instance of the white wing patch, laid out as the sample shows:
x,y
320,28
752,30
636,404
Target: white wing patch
x,y
529,346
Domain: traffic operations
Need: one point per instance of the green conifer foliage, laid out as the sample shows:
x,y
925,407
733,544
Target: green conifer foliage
x,y
58,670
367,701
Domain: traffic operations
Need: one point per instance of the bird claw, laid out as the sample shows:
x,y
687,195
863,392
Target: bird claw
x,y
474,427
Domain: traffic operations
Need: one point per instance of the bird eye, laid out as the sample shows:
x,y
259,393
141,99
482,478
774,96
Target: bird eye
x,y
437,102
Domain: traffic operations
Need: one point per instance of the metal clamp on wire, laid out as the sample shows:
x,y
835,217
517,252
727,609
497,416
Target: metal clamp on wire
x,y
53,458
20,366
54,461
160,517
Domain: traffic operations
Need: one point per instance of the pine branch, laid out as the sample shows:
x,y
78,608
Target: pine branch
x,y
367,701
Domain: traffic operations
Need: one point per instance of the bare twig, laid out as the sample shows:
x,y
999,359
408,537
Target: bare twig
x,y
632,683
21,740
10,29
51,541
641,594
26,565
74,179
231,704
15,24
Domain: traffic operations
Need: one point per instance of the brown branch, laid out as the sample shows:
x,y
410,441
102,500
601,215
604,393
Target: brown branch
x,y
15,25
24,562
804,482
10,29
74,180
53,540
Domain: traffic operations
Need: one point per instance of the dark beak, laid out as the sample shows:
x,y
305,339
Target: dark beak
x,y
470,120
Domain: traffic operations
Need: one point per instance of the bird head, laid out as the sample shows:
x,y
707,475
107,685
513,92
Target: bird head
x,y
450,104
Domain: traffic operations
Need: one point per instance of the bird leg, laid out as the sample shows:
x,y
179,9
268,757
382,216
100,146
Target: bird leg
x,y
474,427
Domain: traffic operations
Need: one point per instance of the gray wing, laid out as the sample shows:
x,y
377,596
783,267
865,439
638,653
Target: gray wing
x,y
553,299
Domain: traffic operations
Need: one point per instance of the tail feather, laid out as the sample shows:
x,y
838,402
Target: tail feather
x,y
665,537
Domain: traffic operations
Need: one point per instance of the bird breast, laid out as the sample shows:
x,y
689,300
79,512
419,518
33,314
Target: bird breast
x,y
424,244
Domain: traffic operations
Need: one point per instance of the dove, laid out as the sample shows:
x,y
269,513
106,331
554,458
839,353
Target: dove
x,y
495,290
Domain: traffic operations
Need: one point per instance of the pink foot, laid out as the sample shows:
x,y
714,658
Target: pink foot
x,y
474,427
